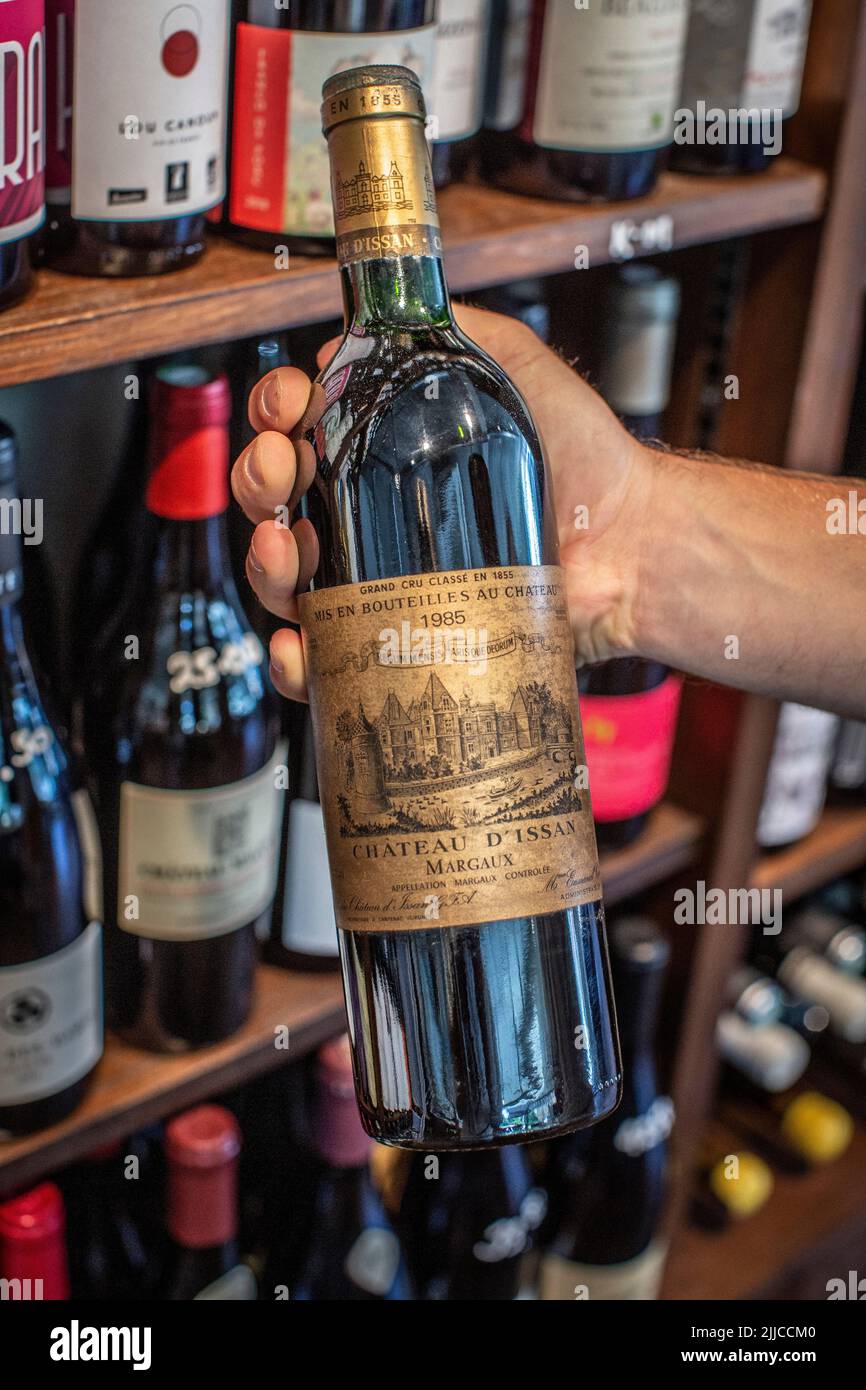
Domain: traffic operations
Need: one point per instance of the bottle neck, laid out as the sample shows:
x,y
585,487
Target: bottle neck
x,y
401,292
192,554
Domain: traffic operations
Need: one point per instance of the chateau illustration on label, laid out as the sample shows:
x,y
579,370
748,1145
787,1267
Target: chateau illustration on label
x,y
367,194
442,763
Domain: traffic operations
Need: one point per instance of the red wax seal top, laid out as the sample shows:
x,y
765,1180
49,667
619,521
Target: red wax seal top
x,y
337,1130
190,411
32,1243
202,1147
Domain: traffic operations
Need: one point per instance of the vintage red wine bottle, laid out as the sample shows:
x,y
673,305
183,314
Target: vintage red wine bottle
x,y
279,183
148,91
22,141
50,946
581,99
630,706
444,699
181,733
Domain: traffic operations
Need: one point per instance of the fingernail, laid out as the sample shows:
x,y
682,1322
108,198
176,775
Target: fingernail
x,y
271,398
255,562
251,467
277,667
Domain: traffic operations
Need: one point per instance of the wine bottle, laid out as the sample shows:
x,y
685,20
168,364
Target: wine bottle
x,y
112,1251
59,62
526,300
842,942
33,1265
630,706
279,184
610,1200
810,975
461,844
304,932
202,1150
50,952
22,142
470,1223
796,787
180,729
457,94
149,94
594,115
755,997
849,763
742,58
771,1056
353,1254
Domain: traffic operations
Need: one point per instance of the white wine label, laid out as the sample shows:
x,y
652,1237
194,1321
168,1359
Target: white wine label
x,y
746,54
449,749
280,172
635,1280
51,1020
149,101
308,912
91,853
238,1286
777,54
609,78
512,75
197,864
456,99
797,777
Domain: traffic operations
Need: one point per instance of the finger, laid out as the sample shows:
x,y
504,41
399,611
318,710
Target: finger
x,y
270,472
278,559
279,400
287,665
327,352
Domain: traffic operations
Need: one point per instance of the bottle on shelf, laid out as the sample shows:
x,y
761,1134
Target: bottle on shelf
x,y
468,1223
204,1264
581,100
755,997
180,729
50,938
803,963
457,92
22,142
796,787
608,1187
304,929
842,942
33,1262
770,1055
114,1252
462,851
742,57
279,185
353,1253
526,300
848,775
630,706
148,87
59,60
732,1186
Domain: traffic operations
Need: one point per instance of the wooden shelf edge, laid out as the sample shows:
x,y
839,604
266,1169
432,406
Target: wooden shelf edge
x,y
72,323
133,1089
835,847
670,843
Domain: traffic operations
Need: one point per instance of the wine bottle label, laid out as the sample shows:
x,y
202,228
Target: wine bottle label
x,y
280,180
629,746
449,749
22,120
149,98
634,1280
456,100
197,864
609,77
51,1020
308,913
60,31
797,777
849,768
239,1285
746,54
91,853
511,76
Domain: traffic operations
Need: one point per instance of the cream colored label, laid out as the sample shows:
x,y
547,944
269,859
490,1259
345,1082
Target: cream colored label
x,y
777,54
381,179
449,749
635,1280
459,68
197,864
609,78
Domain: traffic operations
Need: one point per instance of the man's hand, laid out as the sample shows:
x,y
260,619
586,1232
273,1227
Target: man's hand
x,y
603,490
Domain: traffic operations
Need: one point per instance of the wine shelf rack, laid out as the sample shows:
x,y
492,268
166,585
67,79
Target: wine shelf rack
x,y
835,847
70,323
134,1088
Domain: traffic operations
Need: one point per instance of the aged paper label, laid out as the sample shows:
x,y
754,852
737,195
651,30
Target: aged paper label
x,y
449,749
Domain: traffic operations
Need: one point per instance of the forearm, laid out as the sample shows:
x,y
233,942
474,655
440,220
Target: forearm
x,y
743,582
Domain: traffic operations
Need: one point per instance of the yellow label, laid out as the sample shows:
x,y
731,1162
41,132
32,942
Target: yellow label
x,y
636,1280
449,749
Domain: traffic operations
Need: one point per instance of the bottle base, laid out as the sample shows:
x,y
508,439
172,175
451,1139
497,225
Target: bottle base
x,y
19,1120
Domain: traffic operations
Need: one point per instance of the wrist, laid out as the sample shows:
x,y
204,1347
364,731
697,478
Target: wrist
x,y
663,479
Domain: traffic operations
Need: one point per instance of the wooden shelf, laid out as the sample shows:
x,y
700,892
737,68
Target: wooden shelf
x,y
835,847
133,1088
70,323
804,1214
670,843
